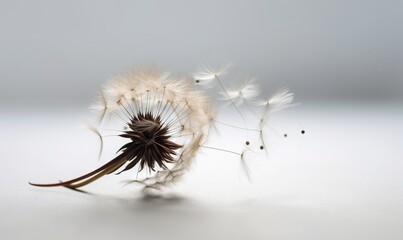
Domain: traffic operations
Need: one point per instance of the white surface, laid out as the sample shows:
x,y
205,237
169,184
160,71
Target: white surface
x,y
341,180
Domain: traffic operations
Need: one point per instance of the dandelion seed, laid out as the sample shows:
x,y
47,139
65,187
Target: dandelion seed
x,y
246,92
279,101
100,106
93,129
244,167
207,74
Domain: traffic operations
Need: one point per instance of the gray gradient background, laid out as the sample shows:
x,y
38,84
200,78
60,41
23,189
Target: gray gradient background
x,y
59,52
342,59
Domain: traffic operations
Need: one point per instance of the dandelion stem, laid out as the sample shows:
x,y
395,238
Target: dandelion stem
x,y
250,108
233,126
222,150
232,101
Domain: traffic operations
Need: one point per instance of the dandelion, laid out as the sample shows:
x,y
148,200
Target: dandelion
x,y
167,119
165,122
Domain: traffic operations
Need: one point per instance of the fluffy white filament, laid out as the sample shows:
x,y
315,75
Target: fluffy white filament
x,y
247,91
206,74
280,100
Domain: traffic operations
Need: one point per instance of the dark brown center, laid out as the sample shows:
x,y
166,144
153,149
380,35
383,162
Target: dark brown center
x,y
149,143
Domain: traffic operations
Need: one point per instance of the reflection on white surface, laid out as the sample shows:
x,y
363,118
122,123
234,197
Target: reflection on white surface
x,y
341,180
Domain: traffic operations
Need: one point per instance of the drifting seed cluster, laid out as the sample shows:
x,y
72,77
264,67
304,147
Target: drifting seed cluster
x,y
168,118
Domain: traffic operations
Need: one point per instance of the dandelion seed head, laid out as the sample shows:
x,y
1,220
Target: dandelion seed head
x,y
165,123
166,120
